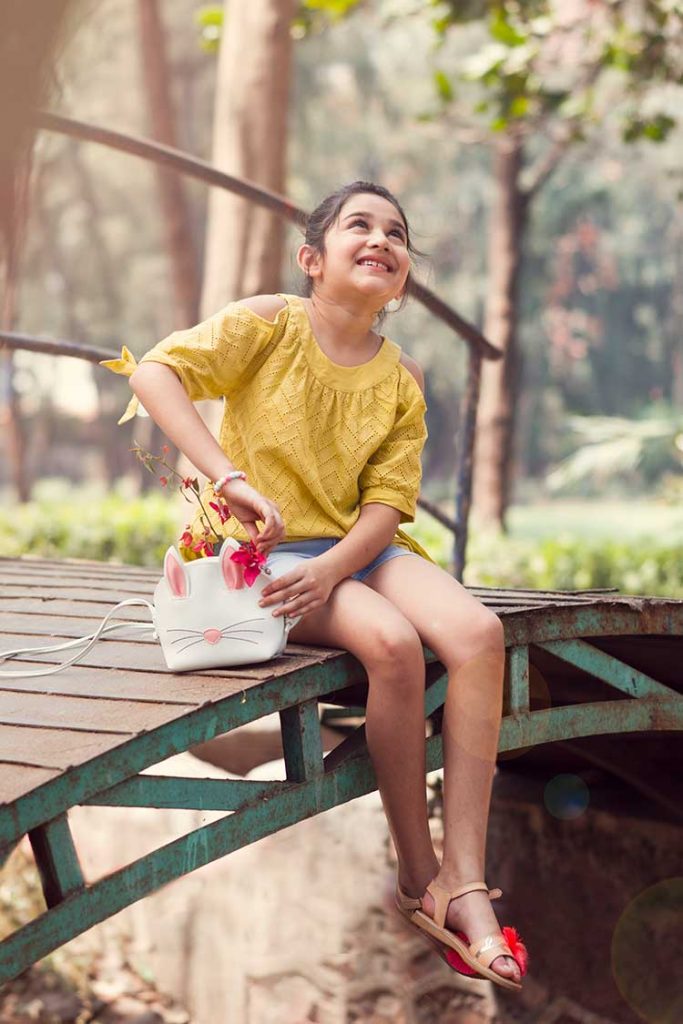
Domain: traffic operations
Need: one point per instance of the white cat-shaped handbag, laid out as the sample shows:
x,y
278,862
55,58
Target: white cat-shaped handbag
x,y
206,616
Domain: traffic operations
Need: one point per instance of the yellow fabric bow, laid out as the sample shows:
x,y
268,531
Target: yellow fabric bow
x,y
125,365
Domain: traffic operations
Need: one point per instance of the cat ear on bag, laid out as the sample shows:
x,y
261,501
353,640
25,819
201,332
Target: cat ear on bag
x,y
176,574
232,572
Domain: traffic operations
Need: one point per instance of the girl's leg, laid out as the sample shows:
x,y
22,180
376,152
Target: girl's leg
x,y
468,639
374,630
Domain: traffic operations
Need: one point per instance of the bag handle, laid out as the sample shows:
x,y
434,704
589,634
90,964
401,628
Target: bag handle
x,y
89,640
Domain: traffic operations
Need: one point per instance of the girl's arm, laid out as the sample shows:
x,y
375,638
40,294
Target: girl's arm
x,y
169,405
167,402
375,527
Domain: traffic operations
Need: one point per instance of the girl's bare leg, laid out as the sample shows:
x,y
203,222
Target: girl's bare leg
x,y
468,640
360,620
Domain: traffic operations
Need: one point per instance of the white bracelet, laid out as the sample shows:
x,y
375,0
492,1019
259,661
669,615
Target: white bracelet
x,y
235,474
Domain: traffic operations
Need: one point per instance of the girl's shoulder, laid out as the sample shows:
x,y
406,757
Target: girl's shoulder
x,y
266,307
413,368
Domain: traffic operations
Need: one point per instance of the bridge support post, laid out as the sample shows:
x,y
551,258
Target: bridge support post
x,y
56,860
302,741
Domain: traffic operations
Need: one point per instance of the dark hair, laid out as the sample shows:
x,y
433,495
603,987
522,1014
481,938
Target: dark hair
x,y
327,213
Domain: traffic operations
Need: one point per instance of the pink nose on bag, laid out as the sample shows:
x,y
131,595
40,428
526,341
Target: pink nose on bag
x,y
212,636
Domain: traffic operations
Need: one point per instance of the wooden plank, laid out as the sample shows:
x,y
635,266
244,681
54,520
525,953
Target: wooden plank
x,y
138,656
28,624
36,606
58,749
18,779
157,687
77,591
83,714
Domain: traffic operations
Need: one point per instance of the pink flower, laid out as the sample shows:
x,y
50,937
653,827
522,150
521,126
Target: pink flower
x,y
163,480
189,482
186,539
165,449
251,559
222,510
203,547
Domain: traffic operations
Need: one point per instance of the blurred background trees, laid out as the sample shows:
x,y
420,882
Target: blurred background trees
x,y
537,156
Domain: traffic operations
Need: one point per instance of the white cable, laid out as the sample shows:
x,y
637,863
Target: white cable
x,y
89,640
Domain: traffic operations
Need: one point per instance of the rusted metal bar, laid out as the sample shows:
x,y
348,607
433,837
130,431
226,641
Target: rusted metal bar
x,y
178,161
519,680
52,347
464,461
56,860
302,741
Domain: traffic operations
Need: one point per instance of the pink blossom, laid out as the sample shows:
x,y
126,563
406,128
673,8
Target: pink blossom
x,y
251,559
163,480
222,510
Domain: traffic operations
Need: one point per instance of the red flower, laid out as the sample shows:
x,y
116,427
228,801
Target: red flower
x,y
189,483
517,948
163,480
186,539
203,547
165,449
251,559
222,510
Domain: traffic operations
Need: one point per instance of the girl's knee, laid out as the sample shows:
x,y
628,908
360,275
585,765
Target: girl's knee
x,y
485,635
395,644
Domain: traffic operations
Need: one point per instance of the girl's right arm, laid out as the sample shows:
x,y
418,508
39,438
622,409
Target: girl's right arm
x,y
165,399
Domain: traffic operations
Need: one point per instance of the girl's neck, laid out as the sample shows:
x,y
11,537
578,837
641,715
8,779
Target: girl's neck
x,y
342,327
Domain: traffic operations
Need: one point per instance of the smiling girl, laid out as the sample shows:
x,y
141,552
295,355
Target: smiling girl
x,y
320,443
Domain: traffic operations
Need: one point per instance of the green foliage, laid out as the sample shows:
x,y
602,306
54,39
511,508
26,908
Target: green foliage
x,y
137,531
113,528
643,564
638,450
310,16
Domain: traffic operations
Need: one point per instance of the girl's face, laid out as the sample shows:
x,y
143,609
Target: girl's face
x,y
365,252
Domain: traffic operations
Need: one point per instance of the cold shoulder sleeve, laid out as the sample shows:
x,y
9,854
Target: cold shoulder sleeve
x,y
219,355
393,473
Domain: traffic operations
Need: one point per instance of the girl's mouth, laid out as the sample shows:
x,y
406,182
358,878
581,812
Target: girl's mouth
x,y
374,265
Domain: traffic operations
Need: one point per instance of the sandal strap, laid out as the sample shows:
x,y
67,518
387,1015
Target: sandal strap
x,y
488,947
406,902
442,897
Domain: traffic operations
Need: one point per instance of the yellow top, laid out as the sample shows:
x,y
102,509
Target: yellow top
x,y
319,439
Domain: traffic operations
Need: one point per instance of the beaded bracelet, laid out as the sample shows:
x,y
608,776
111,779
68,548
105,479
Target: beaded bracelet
x,y
235,474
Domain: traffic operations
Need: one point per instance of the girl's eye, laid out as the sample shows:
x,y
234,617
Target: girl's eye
x,y
398,233
359,221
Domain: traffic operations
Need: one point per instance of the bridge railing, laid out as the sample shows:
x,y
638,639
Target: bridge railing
x,y
181,163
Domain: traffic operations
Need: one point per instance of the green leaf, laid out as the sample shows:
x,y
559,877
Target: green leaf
x,y
443,86
502,31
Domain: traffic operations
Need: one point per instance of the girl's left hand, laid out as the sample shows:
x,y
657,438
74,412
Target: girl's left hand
x,y
303,589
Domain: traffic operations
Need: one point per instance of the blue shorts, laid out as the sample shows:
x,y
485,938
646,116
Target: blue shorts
x,y
313,546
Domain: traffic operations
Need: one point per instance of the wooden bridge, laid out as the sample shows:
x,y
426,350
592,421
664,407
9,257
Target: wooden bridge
x,y
608,664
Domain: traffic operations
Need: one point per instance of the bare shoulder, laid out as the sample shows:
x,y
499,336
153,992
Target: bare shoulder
x,y
415,369
265,306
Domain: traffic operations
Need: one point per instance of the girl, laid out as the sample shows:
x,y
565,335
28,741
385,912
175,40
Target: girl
x,y
327,419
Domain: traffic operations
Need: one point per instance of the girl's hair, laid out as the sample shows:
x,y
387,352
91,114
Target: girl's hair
x,y
327,213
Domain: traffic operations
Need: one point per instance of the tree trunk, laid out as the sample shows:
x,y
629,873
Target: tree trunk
x,y
172,195
244,245
499,386
10,413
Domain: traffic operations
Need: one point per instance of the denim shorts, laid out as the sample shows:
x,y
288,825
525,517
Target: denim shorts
x,y
313,546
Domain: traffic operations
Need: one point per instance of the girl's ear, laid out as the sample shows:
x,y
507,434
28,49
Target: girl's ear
x,y
175,573
308,259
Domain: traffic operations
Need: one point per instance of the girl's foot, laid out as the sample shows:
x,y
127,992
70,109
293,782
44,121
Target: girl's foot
x,y
473,914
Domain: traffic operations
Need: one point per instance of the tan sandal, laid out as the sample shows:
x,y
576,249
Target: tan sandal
x,y
472,959
407,905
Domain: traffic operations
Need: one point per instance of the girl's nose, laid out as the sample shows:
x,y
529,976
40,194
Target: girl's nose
x,y
379,238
